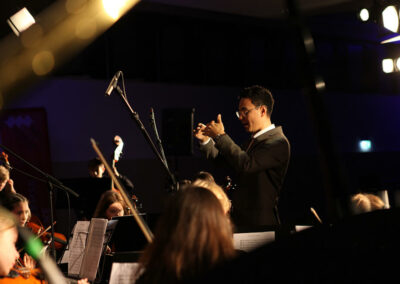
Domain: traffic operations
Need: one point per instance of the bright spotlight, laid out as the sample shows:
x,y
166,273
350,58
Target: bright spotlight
x,y
364,15
114,7
398,64
21,21
388,65
390,18
365,145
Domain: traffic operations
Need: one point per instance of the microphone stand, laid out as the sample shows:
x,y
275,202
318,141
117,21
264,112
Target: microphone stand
x,y
160,146
51,182
135,116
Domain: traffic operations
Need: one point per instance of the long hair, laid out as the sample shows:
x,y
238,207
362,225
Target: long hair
x,y
192,236
106,199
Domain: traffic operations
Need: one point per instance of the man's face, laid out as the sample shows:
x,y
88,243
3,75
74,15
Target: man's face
x,y
250,116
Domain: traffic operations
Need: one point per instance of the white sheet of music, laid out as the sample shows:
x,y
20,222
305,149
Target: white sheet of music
x,y
250,241
77,247
123,272
94,248
299,228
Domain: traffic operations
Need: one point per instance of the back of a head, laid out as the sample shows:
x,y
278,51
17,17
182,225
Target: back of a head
x,y
95,166
360,203
192,236
366,202
94,163
203,175
375,201
218,192
259,96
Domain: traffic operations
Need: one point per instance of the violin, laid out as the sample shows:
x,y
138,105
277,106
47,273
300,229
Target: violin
x,y
59,239
23,275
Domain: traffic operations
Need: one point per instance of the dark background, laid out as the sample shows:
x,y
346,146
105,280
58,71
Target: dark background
x,y
180,57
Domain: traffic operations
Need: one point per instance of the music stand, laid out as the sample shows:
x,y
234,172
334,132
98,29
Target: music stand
x,y
127,235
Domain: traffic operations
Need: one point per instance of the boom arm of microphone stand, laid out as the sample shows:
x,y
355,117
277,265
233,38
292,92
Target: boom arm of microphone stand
x,y
55,182
60,186
135,116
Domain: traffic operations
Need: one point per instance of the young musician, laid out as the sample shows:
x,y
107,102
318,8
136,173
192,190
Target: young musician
x,y
6,184
192,236
8,238
19,206
111,204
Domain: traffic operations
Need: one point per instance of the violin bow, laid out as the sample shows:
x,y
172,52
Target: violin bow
x,y
41,234
143,226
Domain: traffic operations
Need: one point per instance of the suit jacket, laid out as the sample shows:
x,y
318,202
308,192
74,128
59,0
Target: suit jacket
x,y
261,171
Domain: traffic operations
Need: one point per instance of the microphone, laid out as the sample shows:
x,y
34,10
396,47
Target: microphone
x,y
113,83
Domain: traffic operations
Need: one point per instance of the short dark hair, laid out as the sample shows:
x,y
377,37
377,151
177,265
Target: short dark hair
x,y
94,163
259,96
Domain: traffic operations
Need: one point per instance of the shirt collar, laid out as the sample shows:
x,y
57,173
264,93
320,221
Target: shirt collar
x,y
262,131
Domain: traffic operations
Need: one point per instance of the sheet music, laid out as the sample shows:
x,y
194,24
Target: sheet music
x,y
250,241
65,257
299,228
94,248
123,272
77,247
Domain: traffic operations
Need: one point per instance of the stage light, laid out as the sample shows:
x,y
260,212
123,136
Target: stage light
x,y
387,65
392,39
390,18
364,15
398,64
21,21
64,29
365,145
114,7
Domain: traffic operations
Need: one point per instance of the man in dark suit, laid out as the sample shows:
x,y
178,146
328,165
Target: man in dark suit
x,y
261,163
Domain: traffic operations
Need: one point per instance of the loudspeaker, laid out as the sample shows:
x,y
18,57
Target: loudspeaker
x,y
177,131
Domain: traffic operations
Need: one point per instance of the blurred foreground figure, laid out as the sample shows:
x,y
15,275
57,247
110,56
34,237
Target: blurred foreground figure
x,y
192,236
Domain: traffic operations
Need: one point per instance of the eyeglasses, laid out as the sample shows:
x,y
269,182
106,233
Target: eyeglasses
x,y
245,112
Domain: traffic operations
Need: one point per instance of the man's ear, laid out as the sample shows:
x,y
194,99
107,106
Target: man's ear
x,y
264,110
